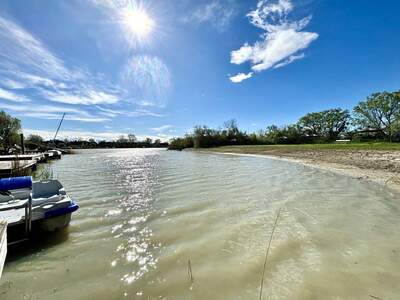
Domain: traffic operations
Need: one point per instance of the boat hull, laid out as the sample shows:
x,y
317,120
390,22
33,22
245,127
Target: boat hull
x,y
55,223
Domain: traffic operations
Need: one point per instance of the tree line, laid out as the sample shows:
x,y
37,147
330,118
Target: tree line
x,y
11,140
37,143
377,118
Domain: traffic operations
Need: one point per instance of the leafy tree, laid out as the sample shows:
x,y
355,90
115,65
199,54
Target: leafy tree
x,y
204,137
380,111
122,139
35,139
9,129
335,122
327,124
290,134
181,143
131,138
312,124
231,129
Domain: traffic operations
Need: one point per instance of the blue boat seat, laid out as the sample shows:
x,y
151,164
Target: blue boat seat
x,y
16,183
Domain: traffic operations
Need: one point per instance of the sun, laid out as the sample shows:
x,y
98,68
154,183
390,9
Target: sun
x,y
138,22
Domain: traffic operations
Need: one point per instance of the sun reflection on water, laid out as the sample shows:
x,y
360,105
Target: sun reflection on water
x,y
135,176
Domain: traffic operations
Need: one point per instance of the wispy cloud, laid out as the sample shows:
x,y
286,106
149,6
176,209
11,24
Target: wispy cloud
x,y
218,13
27,63
280,44
51,112
84,97
136,112
147,78
11,96
30,70
20,48
162,128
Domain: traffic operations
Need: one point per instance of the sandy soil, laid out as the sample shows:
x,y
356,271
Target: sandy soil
x,y
382,167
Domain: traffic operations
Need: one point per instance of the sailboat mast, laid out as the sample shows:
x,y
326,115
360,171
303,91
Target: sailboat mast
x,y
58,128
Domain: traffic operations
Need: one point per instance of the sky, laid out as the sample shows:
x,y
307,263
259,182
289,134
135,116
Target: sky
x,y
157,68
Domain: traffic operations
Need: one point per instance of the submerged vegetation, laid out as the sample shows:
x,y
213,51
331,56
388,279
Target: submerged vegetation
x,y
377,119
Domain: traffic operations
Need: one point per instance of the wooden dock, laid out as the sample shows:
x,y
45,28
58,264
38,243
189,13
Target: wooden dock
x,y
3,244
11,163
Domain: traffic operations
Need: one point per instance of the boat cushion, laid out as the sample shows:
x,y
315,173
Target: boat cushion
x,y
15,183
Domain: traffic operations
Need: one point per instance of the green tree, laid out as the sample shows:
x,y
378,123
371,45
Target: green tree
x,y
204,137
312,124
35,139
9,130
131,138
380,111
122,139
335,122
327,124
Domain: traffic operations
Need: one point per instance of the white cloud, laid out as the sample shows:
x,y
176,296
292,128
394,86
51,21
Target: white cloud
x,y
219,13
281,41
25,62
30,70
11,84
144,112
52,112
162,128
19,47
291,59
138,112
240,77
8,95
84,97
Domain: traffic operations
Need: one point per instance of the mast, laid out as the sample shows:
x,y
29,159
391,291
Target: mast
x,y
58,128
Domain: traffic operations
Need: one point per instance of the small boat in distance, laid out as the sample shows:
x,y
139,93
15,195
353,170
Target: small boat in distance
x,y
28,205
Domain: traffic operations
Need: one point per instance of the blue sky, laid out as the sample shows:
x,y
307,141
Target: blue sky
x,y
157,68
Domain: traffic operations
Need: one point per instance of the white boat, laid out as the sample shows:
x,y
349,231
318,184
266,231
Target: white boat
x,y
44,204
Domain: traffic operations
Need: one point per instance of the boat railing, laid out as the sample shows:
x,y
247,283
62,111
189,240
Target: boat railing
x,y
26,204
16,204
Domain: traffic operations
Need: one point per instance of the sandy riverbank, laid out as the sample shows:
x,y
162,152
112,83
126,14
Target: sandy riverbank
x,y
380,166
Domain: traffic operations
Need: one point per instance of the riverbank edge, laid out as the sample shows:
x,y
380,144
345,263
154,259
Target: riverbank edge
x,y
381,177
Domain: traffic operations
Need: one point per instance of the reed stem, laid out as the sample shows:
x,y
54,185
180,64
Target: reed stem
x,y
190,274
267,252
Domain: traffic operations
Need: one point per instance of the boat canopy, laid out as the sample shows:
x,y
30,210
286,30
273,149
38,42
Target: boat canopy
x,y
15,183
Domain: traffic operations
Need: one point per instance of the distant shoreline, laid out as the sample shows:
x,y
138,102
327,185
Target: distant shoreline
x,y
379,166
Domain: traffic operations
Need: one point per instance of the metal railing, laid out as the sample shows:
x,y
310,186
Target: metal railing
x,y
19,204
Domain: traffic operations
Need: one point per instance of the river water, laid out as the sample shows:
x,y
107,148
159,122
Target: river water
x,y
146,213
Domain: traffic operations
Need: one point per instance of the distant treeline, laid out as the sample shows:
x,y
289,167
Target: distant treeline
x,y
375,119
11,140
36,142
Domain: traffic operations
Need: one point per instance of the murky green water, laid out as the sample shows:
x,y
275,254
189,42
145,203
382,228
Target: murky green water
x,y
144,213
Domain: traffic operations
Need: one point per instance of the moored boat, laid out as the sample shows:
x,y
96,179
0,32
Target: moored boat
x,y
29,205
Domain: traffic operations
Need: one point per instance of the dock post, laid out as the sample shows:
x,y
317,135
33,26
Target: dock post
x,y
22,143
3,244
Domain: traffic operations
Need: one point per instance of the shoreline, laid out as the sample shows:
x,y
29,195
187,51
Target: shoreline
x,y
387,178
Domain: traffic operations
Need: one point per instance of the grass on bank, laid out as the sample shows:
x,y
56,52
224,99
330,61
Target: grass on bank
x,y
264,149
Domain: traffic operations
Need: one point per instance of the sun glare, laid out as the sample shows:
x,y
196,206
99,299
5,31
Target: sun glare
x,y
138,22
